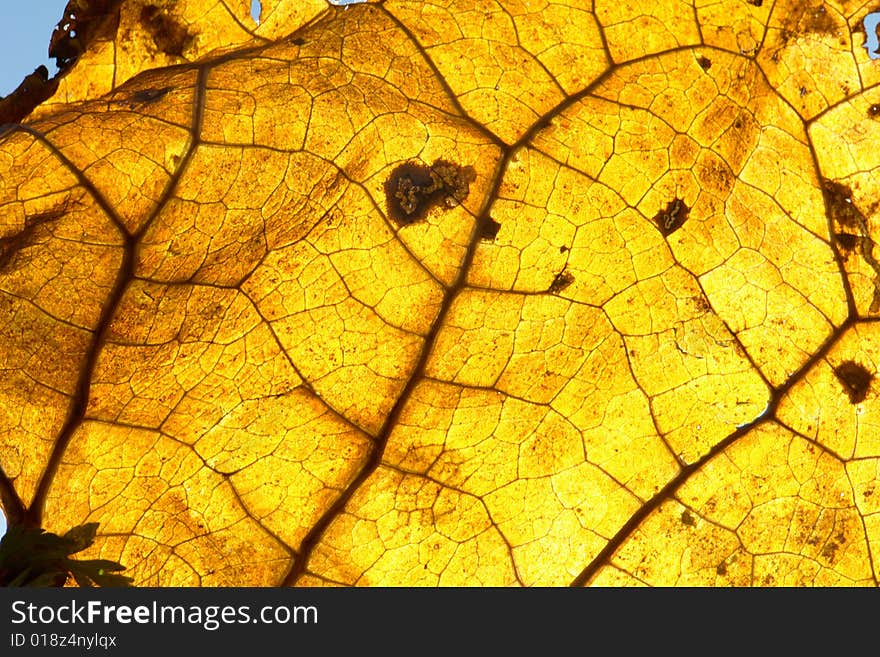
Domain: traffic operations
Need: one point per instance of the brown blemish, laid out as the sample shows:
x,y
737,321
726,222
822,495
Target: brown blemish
x,y
856,380
838,199
846,241
12,246
829,551
672,217
413,189
489,229
704,62
561,281
149,95
808,18
170,37
874,111
841,209
702,305
687,519
819,21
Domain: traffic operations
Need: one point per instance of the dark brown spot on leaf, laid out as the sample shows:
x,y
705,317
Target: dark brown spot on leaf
x,y
874,111
702,304
562,280
704,62
672,217
847,241
829,551
12,246
838,201
489,229
856,380
413,189
807,18
149,95
688,519
170,37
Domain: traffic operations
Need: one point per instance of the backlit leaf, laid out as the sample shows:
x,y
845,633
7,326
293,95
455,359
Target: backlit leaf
x,y
458,293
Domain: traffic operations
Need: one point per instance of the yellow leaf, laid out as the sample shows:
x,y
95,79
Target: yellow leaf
x,y
463,293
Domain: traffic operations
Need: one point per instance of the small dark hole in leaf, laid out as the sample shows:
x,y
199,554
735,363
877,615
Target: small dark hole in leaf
x,y
856,380
705,63
413,189
672,217
490,229
874,111
256,10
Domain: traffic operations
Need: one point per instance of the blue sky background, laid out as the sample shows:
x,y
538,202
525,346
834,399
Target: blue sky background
x,y
25,29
